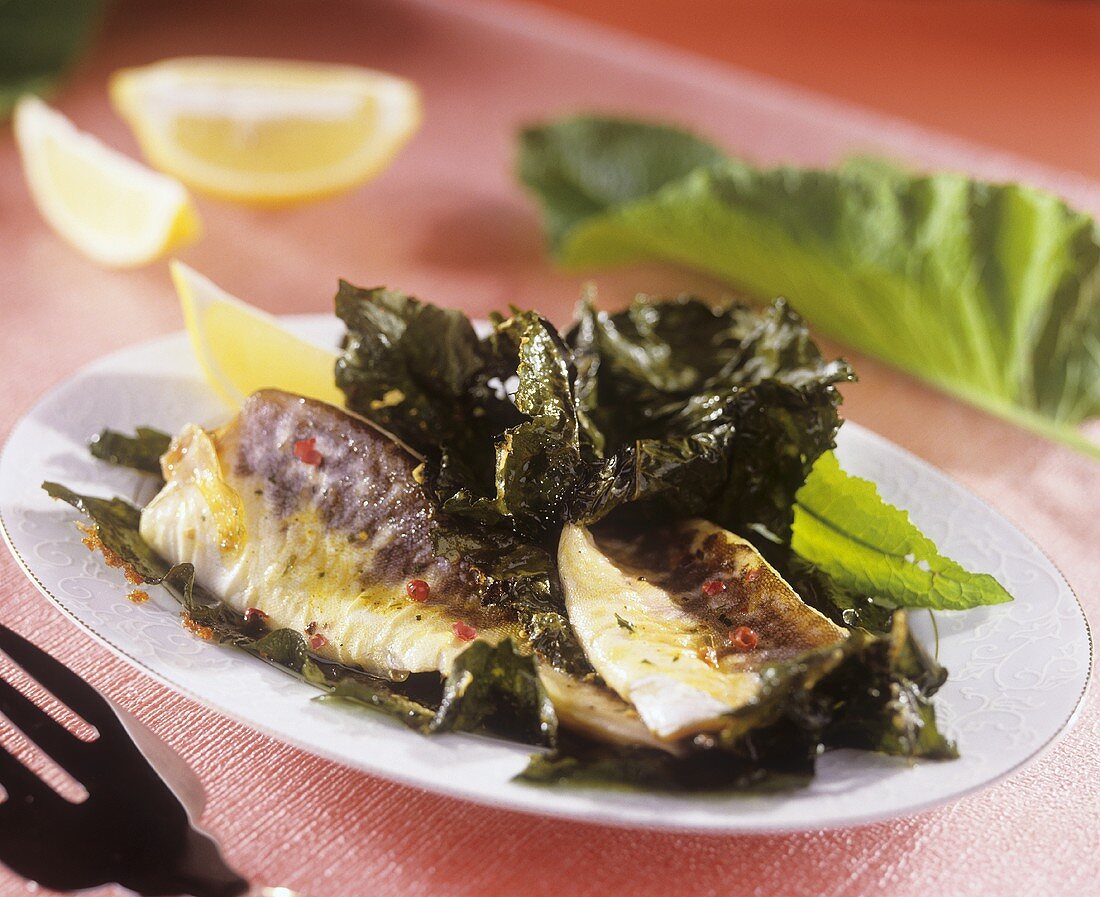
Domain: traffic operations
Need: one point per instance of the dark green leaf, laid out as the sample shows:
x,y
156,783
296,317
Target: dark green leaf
x,y
117,523
780,758
882,698
714,410
538,461
496,690
375,695
421,373
39,40
141,451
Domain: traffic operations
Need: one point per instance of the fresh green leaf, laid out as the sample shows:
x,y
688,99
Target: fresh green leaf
x,y
141,451
844,527
39,41
988,291
589,165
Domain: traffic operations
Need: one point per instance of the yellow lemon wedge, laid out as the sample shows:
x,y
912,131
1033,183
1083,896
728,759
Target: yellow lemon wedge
x,y
266,131
111,208
242,349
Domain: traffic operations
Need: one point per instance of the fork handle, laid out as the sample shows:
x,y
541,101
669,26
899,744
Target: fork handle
x,y
202,872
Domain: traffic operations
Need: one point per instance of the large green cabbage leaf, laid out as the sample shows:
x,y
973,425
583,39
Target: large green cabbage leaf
x,y
989,291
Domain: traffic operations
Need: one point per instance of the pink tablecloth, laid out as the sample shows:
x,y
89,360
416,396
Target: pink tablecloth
x,y
448,222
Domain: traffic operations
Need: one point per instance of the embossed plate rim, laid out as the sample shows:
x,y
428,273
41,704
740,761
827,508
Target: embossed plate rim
x,y
474,768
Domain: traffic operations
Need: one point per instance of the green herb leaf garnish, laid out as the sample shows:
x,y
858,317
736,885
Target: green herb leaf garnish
x,y
844,527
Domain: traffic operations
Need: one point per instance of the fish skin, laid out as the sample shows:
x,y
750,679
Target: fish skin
x,y
649,630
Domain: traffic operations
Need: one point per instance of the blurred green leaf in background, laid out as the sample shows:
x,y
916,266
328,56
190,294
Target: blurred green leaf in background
x,y
39,40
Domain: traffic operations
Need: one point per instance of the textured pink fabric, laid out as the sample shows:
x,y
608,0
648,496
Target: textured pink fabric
x,y
448,222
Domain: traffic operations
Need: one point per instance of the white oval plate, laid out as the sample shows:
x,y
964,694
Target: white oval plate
x,y
1017,671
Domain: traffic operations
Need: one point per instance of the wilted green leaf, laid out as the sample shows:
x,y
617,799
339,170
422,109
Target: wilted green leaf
x,y
141,451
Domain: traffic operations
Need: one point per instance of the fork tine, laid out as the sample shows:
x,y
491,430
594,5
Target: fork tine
x,y
19,781
41,728
65,685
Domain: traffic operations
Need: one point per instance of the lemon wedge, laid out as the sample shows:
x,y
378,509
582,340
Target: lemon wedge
x,y
266,131
242,349
111,208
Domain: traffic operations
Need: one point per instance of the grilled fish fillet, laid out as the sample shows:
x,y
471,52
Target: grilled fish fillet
x,y
323,547
637,603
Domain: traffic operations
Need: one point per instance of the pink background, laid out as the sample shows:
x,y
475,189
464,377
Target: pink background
x,y
449,223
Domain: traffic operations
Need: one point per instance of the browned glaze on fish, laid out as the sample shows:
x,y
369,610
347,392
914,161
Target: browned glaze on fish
x,y
686,561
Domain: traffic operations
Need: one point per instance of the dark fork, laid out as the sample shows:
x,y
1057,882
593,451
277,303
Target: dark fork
x,y
132,829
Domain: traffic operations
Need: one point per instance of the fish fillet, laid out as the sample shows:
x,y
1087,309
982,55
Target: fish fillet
x,y
322,548
637,603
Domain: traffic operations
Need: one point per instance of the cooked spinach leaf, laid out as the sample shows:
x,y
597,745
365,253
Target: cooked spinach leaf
x,y
421,373
777,759
713,410
538,461
116,524
496,690
881,701
141,451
